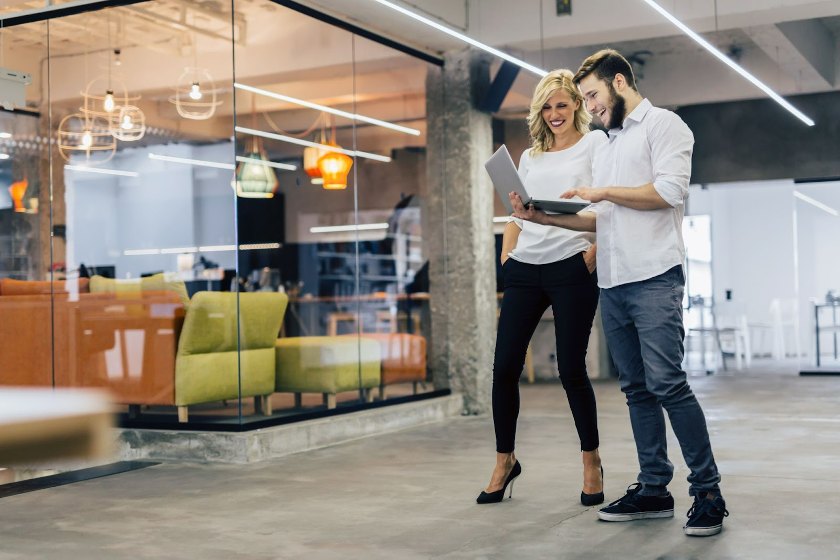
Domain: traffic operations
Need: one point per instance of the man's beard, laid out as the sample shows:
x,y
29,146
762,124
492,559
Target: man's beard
x,y
618,111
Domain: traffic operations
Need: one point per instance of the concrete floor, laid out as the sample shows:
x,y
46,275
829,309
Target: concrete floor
x,y
411,494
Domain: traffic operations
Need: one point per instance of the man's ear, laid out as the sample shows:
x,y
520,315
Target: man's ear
x,y
619,82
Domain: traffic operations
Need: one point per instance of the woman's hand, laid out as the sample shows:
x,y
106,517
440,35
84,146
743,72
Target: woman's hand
x,y
530,213
589,258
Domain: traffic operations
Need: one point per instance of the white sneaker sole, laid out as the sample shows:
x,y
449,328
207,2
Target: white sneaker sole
x,y
703,531
634,516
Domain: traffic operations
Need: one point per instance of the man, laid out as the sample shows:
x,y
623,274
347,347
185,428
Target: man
x,y
638,228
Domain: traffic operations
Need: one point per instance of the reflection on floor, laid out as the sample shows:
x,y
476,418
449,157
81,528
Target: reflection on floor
x,y
9,474
410,494
282,404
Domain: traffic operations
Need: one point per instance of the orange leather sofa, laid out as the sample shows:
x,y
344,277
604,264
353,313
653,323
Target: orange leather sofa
x,y
403,358
60,327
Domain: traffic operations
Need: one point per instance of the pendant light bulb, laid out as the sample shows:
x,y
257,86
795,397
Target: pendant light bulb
x,y
126,123
109,104
87,139
195,91
117,60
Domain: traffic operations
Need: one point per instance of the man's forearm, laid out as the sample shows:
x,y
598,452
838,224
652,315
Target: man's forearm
x,y
583,221
637,198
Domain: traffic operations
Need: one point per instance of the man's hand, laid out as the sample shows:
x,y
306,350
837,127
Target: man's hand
x,y
529,213
589,258
586,193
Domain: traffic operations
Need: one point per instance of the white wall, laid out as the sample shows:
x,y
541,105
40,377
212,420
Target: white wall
x,y
175,205
752,242
818,243
167,205
755,246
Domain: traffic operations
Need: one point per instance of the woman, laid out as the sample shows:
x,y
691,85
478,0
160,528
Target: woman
x,y
542,266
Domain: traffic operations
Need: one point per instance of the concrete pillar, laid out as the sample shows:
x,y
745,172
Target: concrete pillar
x,y
459,217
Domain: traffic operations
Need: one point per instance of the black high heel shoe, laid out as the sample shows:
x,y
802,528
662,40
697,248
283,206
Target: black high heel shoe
x,y
593,499
499,495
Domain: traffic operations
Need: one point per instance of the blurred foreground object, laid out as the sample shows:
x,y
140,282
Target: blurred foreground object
x,y
46,424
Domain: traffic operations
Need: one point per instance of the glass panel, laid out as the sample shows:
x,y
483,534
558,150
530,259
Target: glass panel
x,y
816,207
393,198
26,344
699,315
285,247
748,314
180,286
141,183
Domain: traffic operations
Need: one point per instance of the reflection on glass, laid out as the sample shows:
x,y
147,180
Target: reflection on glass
x,y
815,314
210,251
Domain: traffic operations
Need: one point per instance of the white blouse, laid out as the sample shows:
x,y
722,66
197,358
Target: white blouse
x,y
546,176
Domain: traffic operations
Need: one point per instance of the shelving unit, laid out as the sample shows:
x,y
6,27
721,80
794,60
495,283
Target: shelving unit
x,y
387,265
12,263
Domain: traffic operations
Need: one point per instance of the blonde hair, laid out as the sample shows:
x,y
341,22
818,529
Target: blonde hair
x,y
541,136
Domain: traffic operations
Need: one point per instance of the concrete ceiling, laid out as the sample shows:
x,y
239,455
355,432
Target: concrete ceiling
x,y
792,45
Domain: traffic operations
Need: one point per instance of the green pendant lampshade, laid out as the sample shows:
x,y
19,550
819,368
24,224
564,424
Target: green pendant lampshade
x,y
253,179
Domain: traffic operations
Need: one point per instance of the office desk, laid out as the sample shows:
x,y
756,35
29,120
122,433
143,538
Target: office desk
x,y
833,328
46,424
304,310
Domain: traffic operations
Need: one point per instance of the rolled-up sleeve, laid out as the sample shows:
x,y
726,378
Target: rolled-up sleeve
x,y
596,207
671,143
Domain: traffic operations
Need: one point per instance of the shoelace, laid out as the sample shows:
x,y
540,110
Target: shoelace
x,y
632,490
703,505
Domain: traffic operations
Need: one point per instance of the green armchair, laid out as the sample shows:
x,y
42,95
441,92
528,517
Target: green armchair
x,y
210,353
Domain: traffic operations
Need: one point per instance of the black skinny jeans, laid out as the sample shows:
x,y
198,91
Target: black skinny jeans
x,y
529,289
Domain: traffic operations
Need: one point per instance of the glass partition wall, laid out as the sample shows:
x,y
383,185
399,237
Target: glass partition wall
x,y
237,222
814,315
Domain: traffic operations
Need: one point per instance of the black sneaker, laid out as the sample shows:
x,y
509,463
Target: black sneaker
x,y
634,506
705,518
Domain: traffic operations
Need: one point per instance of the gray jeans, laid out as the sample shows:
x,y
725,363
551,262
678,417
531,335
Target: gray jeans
x,y
643,324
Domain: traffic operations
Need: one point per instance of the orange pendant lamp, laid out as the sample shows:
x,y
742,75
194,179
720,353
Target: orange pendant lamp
x,y
310,161
16,191
335,167
311,154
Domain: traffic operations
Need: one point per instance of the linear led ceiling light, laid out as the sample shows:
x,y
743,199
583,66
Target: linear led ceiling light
x,y
816,203
102,171
255,161
299,142
324,108
188,161
203,249
460,36
360,227
729,62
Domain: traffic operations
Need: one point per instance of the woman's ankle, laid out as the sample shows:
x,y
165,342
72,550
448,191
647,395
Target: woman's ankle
x,y
505,460
591,458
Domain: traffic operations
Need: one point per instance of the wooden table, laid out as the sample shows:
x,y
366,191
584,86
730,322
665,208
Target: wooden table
x,y
46,424
304,310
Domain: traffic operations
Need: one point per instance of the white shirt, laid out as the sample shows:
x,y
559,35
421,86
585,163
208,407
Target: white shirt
x,y
653,146
546,176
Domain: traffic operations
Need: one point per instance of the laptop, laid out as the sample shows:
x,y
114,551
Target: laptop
x,y
506,178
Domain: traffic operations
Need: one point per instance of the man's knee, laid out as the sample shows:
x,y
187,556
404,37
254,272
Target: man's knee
x,y
670,390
